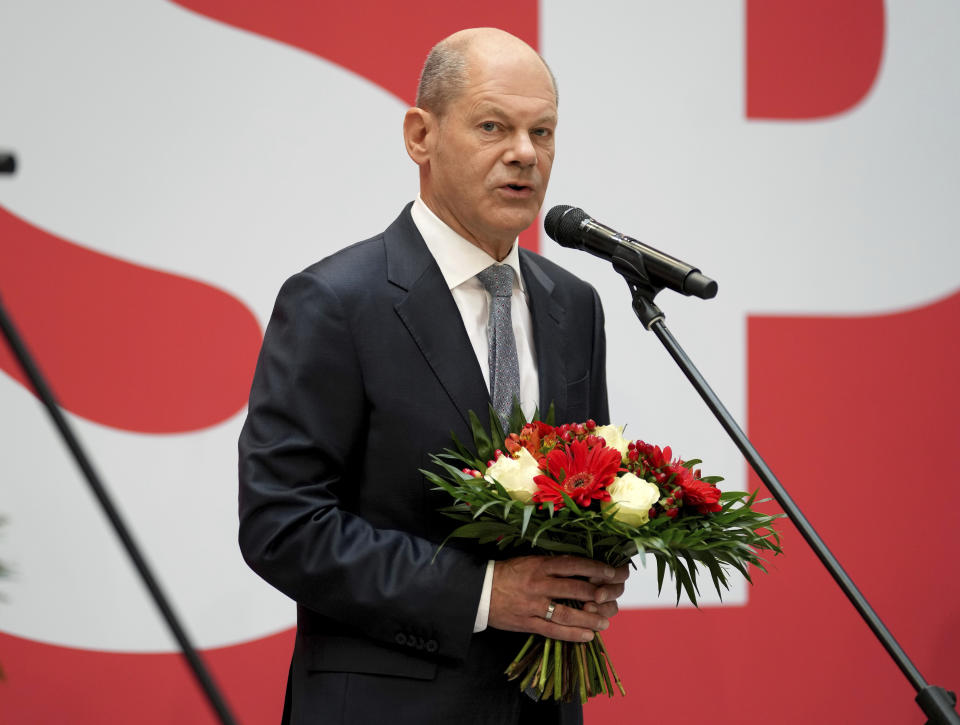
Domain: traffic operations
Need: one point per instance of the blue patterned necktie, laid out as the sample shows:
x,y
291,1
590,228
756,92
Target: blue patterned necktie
x,y
501,345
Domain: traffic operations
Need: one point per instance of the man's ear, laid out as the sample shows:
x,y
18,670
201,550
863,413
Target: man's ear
x,y
419,127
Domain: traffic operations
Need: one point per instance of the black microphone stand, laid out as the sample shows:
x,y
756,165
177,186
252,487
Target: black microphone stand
x,y
19,349
937,703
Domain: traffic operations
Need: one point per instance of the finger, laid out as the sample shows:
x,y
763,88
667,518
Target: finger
x,y
607,593
621,574
578,618
567,566
607,609
559,631
564,588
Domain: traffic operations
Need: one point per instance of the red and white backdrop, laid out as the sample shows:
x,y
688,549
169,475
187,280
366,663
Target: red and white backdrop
x,y
179,159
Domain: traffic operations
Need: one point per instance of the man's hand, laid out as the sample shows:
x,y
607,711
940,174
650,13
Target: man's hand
x,y
524,588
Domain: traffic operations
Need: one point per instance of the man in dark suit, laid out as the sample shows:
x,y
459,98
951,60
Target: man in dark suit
x,y
371,358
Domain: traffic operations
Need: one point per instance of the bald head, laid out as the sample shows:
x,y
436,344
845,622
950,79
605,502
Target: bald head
x,y
446,72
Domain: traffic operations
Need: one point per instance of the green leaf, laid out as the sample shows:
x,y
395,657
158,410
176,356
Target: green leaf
x,y
527,513
551,415
683,578
549,544
496,430
571,506
481,529
692,570
517,419
483,508
461,450
481,439
546,525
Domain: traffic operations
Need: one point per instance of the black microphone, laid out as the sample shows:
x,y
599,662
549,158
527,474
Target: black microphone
x,y
572,227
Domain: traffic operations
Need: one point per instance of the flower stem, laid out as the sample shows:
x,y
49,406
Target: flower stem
x,y
557,667
544,663
606,655
515,668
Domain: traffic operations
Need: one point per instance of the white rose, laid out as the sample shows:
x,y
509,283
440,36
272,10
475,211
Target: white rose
x,y
516,475
633,498
613,437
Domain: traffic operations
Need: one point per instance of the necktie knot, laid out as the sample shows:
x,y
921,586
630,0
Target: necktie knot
x,y
498,279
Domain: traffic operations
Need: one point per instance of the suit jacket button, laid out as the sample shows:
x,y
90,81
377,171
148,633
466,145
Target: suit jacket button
x,y
400,638
431,645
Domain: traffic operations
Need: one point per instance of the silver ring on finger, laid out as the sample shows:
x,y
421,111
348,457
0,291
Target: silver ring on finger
x,y
549,615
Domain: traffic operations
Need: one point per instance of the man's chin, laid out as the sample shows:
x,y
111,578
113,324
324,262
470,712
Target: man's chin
x,y
513,222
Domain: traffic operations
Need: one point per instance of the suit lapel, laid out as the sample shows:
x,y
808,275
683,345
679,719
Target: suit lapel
x,y
548,325
432,318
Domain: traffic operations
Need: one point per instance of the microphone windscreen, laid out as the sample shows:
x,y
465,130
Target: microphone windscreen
x,y
562,224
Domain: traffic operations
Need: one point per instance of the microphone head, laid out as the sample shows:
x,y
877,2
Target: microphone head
x,y
562,224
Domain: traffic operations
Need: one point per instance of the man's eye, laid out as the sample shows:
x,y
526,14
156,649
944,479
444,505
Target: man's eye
x,y
541,132
489,126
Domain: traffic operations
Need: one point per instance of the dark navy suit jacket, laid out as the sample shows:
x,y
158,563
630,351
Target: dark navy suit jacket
x,y
365,370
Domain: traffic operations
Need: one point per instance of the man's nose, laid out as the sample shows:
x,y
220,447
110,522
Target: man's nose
x,y
522,151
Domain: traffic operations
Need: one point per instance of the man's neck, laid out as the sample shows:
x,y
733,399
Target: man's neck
x,y
498,248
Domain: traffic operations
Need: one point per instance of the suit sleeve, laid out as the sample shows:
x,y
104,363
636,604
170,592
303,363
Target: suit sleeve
x,y
298,451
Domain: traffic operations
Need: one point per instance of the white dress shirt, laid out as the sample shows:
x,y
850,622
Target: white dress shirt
x,y
460,261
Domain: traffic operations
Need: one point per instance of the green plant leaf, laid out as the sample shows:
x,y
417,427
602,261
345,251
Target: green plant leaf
x,y
496,430
527,513
550,417
517,419
481,439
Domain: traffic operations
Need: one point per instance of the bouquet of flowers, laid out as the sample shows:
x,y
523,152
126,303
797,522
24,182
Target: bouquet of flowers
x,y
584,489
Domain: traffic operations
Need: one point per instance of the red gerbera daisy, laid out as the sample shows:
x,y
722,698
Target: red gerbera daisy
x,y
579,470
705,496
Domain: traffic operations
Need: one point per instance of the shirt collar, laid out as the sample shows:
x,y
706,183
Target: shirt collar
x,y
459,260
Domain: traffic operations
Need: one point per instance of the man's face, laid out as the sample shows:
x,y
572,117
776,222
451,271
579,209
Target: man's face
x,y
490,160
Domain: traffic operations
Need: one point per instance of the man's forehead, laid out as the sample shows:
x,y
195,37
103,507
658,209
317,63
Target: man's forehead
x,y
543,110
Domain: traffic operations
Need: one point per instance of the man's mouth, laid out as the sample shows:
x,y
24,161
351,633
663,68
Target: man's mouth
x,y
517,191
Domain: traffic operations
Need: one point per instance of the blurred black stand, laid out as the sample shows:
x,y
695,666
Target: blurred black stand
x,y
8,165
